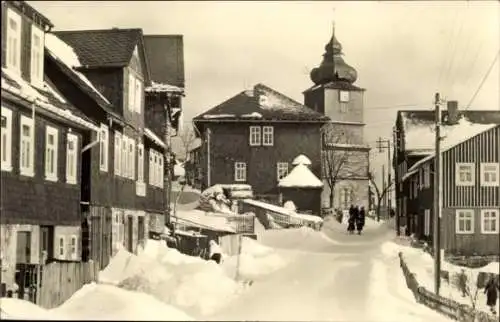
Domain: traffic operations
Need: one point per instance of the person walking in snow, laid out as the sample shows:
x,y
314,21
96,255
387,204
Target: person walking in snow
x,y
360,220
352,220
215,252
491,291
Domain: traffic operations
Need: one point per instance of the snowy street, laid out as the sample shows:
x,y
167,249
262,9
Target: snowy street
x,y
343,279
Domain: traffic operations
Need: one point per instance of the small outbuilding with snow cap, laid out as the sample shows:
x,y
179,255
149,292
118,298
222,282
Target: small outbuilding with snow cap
x,y
302,187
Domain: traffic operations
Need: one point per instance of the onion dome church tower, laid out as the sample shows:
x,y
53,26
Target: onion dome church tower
x,y
345,155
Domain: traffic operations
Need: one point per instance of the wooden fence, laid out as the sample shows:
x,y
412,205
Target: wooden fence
x,y
60,280
448,307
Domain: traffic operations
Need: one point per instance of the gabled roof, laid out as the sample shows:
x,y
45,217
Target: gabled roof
x,y
418,126
103,48
262,103
166,54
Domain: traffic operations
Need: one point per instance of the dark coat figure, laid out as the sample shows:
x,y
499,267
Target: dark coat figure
x,y
491,291
360,220
352,219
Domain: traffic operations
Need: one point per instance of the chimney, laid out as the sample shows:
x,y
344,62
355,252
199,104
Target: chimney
x,y
452,107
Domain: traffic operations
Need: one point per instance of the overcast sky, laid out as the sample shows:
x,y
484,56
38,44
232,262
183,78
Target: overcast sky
x,y
403,51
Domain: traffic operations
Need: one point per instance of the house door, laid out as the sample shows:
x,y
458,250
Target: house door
x,y
23,250
130,234
46,244
140,230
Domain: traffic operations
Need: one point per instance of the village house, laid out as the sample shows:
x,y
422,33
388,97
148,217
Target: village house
x,y
470,190
125,165
414,140
346,155
253,137
43,136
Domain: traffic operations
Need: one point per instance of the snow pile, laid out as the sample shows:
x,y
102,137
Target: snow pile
x,y
303,238
158,251
252,115
106,302
301,159
255,260
163,87
179,170
66,54
17,309
300,177
202,219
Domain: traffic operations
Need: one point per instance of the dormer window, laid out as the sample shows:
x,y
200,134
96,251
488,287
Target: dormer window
x,y
135,93
37,45
13,60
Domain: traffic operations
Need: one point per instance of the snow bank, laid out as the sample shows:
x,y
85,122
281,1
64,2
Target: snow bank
x,y
158,251
17,309
107,302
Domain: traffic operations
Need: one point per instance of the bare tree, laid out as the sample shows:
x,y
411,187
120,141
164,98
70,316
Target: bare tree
x,y
340,161
188,139
380,192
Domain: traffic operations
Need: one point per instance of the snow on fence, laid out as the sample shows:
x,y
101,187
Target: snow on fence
x,y
451,308
60,280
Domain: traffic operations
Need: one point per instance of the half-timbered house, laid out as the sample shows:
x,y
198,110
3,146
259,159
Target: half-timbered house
x,y
42,138
470,191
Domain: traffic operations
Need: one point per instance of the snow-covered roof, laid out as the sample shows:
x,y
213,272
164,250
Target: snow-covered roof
x,y
252,115
454,135
347,146
154,137
301,159
163,88
66,54
270,207
409,174
28,92
300,177
201,219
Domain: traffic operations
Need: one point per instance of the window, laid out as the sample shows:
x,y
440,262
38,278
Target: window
x,y
160,170
240,171
140,162
282,169
37,45
415,187
344,96
464,221
61,247
420,178
71,158
118,153
74,247
131,156
13,60
255,135
51,144
427,176
138,95
489,221
151,167
490,174
103,148
6,139
427,222
465,175
131,91
27,152
123,156
268,135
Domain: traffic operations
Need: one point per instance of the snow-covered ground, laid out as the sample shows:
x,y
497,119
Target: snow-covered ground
x,y
422,265
297,274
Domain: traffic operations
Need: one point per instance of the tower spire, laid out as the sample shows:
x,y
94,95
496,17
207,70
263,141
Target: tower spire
x,y
333,44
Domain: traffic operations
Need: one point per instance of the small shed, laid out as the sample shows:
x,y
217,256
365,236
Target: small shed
x,y
302,187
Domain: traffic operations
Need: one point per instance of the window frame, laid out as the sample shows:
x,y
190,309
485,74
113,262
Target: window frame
x,y
7,145
49,174
140,162
13,52
131,156
74,252
255,137
151,168
280,166
458,212
458,181
61,248
483,226
427,176
485,183
118,153
28,171
269,134
427,222
123,156
104,148
138,95
160,170
37,57
72,178
131,91
240,166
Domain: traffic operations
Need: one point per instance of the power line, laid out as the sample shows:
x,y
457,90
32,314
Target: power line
x,y
448,78
483,80
448,46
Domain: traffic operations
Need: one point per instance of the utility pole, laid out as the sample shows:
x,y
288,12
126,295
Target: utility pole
x,y
437,197
384,198
396,177
385,144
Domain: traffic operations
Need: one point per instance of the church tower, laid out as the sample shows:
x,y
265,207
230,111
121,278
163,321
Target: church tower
x,y
345,154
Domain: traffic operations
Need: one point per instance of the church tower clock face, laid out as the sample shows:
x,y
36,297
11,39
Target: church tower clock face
x,y
344,96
